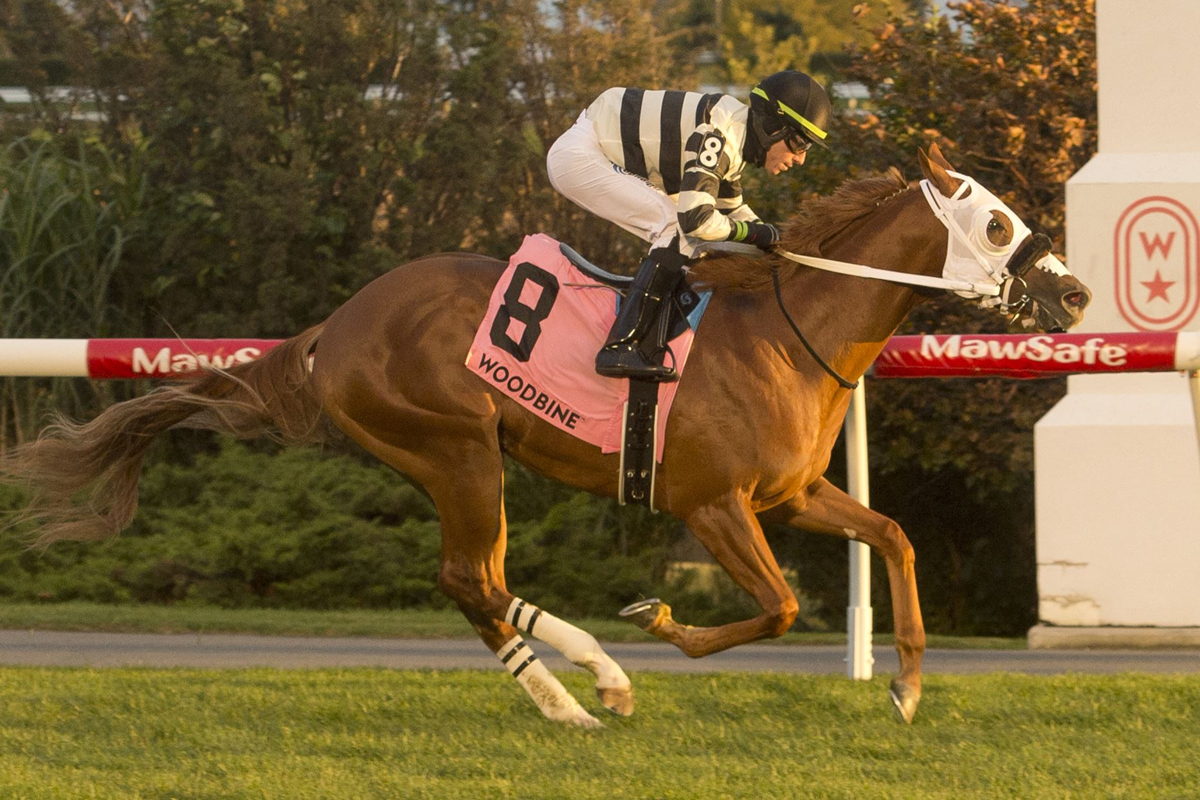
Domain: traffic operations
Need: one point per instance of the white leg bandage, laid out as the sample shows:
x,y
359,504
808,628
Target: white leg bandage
x,y
579,646
551,697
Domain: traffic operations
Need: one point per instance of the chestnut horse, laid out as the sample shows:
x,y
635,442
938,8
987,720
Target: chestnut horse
x,y
750,435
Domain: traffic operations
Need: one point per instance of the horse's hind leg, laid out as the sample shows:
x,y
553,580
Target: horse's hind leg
x,y
471,508
466,482
824,508
580,648
547,692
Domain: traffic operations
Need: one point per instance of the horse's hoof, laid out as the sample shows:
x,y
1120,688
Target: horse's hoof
x,y
617,700
646,614
587,721
575,715
904,701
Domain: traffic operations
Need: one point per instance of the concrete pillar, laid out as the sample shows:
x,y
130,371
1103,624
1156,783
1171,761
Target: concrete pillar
x,y
1117,463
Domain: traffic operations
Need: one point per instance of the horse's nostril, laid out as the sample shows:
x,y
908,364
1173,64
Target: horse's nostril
x,y
1076,299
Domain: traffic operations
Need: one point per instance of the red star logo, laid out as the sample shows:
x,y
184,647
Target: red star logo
x,y
1158,287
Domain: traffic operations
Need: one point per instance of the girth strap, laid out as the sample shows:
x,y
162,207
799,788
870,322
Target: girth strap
x,y
639,457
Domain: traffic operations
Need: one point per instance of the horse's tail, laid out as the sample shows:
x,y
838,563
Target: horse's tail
x,y
83,478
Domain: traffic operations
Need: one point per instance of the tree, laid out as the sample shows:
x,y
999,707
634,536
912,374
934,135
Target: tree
x,y
297,149
273,170
1007,89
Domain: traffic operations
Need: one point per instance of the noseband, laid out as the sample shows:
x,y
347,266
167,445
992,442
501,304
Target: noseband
x,y
1014,295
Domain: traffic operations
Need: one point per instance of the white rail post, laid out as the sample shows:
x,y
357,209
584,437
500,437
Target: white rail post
x,y
44,358
859,615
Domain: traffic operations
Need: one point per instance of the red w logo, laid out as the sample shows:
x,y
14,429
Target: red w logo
x,y
1156,264
1155,242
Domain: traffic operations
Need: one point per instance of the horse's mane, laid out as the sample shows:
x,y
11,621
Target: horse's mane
x,y
804,233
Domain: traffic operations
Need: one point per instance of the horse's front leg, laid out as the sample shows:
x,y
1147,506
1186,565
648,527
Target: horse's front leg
x,y
729,530
824,508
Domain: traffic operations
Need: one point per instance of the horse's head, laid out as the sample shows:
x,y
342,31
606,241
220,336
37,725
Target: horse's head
x,y
989,244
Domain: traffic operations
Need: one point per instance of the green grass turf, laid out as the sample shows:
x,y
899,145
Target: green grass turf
x,y
360,733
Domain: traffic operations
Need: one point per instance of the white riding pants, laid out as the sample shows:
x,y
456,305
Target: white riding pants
x,y
581,172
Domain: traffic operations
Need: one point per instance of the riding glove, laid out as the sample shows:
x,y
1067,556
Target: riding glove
x,y
762,235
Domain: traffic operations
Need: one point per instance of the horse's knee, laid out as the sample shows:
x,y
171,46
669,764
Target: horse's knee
x,y
893,544
904,550
452,582
463,584
780,621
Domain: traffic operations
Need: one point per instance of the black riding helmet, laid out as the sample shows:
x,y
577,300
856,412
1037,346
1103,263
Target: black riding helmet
x,y
789,105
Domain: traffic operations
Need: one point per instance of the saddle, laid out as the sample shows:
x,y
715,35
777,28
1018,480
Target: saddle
x,y
671,323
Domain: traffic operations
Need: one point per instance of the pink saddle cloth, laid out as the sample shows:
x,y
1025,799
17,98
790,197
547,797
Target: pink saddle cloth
x,y
538,342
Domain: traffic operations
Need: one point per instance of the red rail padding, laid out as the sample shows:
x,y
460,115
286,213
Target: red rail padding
x,y
168,358
1033,356
959,355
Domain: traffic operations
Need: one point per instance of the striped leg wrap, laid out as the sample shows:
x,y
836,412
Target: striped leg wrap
x,y
517,656
550,696
523,615
579,646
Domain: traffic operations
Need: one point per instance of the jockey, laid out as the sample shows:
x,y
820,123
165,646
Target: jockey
x,y
664,163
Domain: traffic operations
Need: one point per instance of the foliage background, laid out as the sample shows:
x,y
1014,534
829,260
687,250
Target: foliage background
x,y
242,166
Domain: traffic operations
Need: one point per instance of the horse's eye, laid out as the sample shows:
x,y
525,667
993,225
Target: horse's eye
x,y
999,230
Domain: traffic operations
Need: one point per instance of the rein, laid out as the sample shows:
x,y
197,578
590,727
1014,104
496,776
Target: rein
x,y
845,384
863,271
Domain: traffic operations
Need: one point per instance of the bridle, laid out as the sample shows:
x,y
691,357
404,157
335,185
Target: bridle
x,y
1005,289
1014,291
1004,274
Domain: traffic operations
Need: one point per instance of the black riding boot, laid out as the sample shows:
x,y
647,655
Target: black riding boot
x,y
656,279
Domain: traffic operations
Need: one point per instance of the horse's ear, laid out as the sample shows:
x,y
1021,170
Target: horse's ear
x,y
937,174
935,155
